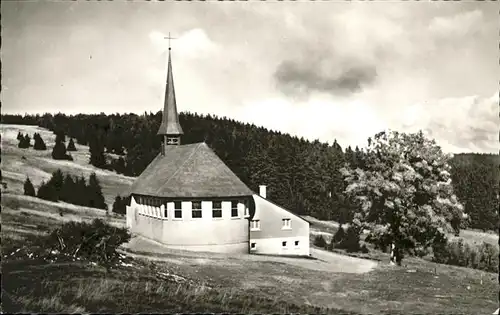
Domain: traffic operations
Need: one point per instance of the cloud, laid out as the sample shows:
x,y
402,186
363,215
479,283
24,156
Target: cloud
x,y
464,124
319,76
457,25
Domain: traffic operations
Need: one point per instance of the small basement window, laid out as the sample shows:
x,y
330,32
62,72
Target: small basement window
x,y
196,210
283,243
296,243
234,208
177,209
253,245
217,209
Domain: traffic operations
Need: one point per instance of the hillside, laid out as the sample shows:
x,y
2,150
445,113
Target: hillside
x,y
166,279
302,176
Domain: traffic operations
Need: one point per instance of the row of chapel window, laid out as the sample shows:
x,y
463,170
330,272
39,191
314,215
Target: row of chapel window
x,y
195,208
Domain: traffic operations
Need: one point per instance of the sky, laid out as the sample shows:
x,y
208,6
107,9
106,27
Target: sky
x,y
318,70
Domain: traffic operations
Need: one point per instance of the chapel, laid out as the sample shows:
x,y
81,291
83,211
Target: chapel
x,y
187,198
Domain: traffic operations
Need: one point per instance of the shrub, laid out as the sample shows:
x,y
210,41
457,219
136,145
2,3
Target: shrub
x,y
319,241
482,256
339,235
29,189
96,242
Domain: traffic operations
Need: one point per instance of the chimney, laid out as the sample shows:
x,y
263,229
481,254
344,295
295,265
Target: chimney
x,y
262,191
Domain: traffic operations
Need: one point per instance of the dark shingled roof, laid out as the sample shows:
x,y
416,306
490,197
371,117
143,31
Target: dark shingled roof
x,y
191,170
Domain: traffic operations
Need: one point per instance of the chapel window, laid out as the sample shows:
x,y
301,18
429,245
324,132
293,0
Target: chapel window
x,y
217,209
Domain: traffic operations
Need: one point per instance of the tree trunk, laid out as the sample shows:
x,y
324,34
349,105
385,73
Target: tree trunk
x,y
396,256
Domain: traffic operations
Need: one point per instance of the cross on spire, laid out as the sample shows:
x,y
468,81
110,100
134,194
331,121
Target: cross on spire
x,y
169,38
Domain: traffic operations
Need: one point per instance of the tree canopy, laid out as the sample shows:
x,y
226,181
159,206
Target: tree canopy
x,y
404,191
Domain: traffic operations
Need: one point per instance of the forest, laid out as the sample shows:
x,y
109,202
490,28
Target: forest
x,y
301,175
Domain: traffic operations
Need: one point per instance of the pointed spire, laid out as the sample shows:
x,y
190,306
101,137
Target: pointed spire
x,y
170,126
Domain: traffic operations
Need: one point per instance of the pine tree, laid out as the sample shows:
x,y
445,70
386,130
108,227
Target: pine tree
x,y
59,150
39,143
19,136
81,197
119,206
56,182
68,192
47,192
96,149
71,145
24,142
29,190
94,193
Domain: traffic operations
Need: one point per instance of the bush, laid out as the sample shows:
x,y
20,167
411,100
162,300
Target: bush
x,y
96,242
29,189
482,256
319,241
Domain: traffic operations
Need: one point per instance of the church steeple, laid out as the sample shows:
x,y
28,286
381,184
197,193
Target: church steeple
x,y
170,127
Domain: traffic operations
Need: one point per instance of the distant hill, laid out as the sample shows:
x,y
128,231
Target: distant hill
x,y
301,175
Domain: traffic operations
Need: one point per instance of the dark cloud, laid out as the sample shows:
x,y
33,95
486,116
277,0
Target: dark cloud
x,y
294,77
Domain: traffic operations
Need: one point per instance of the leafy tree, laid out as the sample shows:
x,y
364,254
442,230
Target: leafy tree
x,y
94,193
29,189
71,145
405,190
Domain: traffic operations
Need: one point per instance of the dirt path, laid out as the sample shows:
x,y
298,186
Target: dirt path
x,y
325,261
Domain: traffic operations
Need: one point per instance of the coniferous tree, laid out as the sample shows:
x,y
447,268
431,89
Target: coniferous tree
x,y
71,145
29,189
39,143
119,206
96,149
81,197
24,142
68,191
59,151
47,192
94,193
19,136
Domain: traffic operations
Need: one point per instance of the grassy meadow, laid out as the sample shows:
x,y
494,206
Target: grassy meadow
x,y
163,280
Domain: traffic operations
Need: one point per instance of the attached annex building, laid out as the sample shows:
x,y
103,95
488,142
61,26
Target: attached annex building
x,y
187,198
